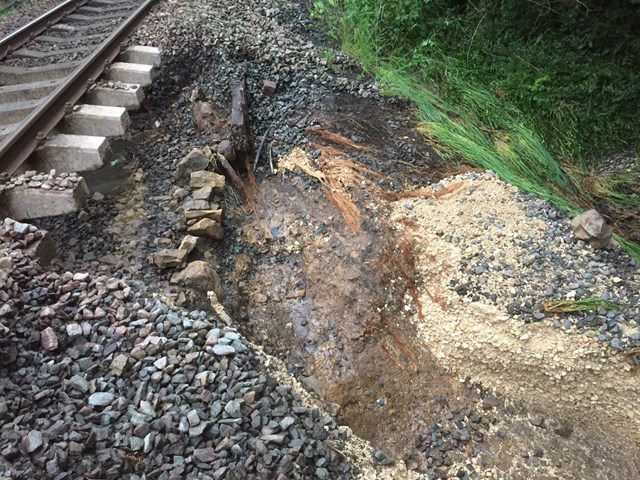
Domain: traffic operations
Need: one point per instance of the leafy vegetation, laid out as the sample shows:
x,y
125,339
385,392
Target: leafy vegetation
x,y
582,305
533,91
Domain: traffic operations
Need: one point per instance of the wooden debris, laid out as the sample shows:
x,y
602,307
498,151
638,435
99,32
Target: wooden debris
x,y
338,139
240,119
269,88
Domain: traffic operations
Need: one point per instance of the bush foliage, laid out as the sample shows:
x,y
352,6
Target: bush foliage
x,y
570,69
536,90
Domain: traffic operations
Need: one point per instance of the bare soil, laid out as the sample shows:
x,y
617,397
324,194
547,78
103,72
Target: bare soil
x,y
365,321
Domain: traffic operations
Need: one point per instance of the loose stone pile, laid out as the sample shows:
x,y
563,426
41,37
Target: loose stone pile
x,y
202,220
50,181
264,42
522,260
100,382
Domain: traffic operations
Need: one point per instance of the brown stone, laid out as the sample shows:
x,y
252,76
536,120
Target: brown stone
x,y
204,193
199,275
216,215
169,258
194,161
196,205
207,179
592,228
203,115
189,243
207,228
269,88
225,148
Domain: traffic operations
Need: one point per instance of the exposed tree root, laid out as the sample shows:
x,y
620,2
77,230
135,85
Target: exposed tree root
x,y
338,139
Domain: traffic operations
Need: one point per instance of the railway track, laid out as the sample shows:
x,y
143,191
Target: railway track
x,y
66,86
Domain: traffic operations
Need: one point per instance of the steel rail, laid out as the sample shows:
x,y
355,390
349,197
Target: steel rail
x,y
21,142
15,40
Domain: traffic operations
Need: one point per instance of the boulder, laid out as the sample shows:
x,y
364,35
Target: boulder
x,y
592,228
194,161
225,148
203,115
207,228
200,275
169,257
202,179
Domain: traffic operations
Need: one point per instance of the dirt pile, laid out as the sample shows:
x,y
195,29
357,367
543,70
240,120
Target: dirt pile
x,y
478,268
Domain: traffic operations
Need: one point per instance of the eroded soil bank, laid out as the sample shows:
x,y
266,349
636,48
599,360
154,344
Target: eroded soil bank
x,y
371,322
412,316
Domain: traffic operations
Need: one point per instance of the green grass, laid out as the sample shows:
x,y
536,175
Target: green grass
x,y
465,118
582,305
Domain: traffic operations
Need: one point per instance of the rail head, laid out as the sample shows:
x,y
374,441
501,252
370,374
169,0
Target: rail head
x,y
16,148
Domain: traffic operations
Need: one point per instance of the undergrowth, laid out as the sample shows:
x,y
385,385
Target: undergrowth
x,y
535,92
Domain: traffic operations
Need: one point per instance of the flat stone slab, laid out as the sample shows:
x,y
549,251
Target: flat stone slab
x,y
71,153
137,73
129,96
22,203
97,120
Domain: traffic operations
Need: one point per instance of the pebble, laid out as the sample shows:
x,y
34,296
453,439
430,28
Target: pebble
x,y
223,350
33,441
101,399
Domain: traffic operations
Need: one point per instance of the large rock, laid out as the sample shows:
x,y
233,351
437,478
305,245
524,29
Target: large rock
x,y
225,148
592,228
189,243
195,161
207,228
199,275
207,179
169,257
203,115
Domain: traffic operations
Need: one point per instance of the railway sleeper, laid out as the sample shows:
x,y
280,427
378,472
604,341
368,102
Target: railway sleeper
x,y
96,120
23,203
136,73
29,53
14,75
142,55
27,91
66,153
125,95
